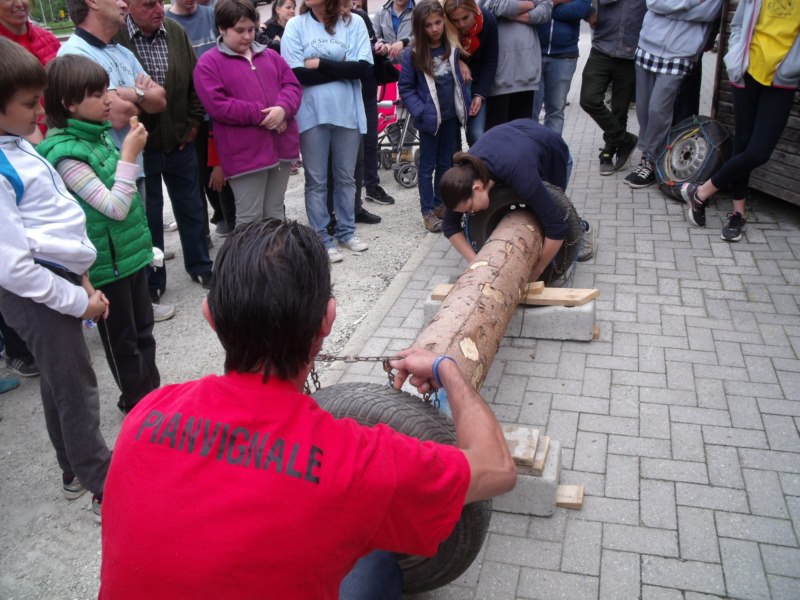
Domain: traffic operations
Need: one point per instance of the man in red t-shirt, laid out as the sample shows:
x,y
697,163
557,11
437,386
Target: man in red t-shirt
x,y
240,486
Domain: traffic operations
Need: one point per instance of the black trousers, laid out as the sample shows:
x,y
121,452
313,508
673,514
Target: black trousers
x,y
760,114
600,71
68,385
222,202
507,107
128,340
15,346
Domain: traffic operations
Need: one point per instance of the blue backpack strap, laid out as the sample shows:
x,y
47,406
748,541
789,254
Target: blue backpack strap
x,y
8,171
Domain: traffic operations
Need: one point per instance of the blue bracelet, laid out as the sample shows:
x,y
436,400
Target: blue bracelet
x,y
435,369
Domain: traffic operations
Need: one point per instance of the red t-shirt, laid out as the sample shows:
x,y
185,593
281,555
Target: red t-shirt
x,y
227,487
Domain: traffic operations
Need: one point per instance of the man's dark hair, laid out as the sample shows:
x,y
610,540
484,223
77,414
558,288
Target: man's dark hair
x,y
70,78
269,292
228,12
78,10
19,70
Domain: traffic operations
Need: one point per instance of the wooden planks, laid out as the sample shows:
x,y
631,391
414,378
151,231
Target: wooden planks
x,y
537,295
569,496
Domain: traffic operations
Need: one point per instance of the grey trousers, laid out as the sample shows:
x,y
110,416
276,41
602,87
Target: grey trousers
x,y
260,194
655,104
68,385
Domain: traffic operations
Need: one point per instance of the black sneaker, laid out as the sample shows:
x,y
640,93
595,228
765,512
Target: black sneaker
x,y
204,279
624,151
697,208
606,162
366,217
22,368
379,196
642,176
97,508
732,232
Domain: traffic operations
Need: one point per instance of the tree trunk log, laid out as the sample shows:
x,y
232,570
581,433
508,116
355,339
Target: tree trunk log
x,y
475,315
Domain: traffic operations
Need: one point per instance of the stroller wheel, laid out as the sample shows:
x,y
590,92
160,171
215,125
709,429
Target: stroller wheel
x,y
416,157
406,175
386,159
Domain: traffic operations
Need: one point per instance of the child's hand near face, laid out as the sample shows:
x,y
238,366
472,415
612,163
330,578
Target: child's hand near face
x,y
134,142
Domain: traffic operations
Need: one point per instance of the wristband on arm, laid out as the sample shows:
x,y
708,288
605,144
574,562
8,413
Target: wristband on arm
x,y
435,368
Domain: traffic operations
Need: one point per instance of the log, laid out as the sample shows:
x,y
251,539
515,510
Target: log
x,y
475,314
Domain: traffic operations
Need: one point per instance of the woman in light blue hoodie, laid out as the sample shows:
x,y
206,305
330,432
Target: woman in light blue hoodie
x,y
763,62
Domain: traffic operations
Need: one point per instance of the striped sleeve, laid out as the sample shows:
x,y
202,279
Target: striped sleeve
x,y
82,180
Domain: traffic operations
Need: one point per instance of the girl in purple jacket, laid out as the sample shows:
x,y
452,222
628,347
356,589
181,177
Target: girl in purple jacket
x,y
252,96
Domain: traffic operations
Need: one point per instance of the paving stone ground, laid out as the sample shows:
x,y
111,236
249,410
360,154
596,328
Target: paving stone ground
x,y
681,420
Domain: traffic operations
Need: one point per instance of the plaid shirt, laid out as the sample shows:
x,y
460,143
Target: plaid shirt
x,y
656,64
153,50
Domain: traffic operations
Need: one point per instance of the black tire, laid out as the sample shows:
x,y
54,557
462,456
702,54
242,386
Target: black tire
x,y
370,404
386,159
696,148
503,200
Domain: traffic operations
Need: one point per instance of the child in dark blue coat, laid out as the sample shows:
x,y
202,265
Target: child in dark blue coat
x,y
434,93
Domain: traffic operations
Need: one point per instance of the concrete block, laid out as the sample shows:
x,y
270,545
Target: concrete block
x,y
534,495
558,322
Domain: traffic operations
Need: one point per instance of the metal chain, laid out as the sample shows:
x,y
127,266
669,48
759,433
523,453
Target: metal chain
x,y
313,375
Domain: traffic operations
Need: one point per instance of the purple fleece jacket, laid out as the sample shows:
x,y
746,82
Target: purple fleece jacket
x,y
234,92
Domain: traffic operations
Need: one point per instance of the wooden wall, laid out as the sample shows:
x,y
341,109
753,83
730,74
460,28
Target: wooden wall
x,y
780,177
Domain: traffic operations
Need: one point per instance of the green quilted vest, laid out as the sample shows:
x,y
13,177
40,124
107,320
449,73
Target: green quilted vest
x,y
123,247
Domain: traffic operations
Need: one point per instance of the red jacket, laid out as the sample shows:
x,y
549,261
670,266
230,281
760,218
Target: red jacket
x,y
39,42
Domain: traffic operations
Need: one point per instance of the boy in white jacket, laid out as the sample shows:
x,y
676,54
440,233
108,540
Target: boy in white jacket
x,y
44,289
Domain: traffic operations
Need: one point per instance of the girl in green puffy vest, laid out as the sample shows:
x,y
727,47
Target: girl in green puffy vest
x,y
103,181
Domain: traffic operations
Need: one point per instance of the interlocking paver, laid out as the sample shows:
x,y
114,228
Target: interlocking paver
x,y
709,496
582,545
686,575
764,493
756,529
619,575
553,585
697,534
744,574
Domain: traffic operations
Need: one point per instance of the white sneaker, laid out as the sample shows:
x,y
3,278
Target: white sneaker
x,y
355,244
163,312
334,255
169,254
170,226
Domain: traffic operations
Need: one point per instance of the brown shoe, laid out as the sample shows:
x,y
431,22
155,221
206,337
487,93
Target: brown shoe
x,y
440,210
432,222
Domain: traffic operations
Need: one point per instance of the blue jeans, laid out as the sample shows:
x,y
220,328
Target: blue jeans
x,y
435,153
179,172
315,144
376,576
476,126
553,89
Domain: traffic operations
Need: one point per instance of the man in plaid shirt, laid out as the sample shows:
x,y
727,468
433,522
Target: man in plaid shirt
x,y
673,36
164,49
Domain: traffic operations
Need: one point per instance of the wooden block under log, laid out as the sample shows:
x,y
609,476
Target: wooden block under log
x,y
537,296
522,442
541,455
569,496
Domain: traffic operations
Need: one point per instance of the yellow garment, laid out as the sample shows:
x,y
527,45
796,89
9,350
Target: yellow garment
x,y
776,29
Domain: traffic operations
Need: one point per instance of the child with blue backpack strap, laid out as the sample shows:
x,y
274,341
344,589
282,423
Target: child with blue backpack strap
x,y
45,256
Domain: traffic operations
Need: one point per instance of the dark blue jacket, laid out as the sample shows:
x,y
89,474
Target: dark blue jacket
x,y
418,92
483,64
560,34
521,154
619,22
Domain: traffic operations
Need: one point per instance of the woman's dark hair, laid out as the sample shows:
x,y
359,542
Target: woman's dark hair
x,y
228,12
70,78
269,293
19,70
332,9
278,4
422,52
456,183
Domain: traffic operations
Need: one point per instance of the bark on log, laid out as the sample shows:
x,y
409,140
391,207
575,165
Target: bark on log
x,y
475,315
